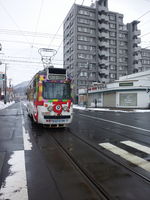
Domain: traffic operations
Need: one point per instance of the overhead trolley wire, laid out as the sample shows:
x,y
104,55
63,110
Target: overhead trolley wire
x,y
56,33
40,11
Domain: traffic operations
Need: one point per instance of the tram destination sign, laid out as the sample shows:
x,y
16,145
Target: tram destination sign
x,y
56,74
126,84
56,77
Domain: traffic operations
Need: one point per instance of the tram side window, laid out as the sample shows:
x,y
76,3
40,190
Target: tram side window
x,y
34,90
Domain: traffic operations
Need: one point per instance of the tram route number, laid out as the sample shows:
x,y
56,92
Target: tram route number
x,y
57,121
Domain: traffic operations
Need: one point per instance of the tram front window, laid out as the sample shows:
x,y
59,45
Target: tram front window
x,y
56,90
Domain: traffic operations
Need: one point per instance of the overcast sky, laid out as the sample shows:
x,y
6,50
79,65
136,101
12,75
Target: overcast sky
x,y
27,25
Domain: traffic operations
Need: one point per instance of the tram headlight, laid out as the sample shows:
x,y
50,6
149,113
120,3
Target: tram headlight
x,y
65,108
50,108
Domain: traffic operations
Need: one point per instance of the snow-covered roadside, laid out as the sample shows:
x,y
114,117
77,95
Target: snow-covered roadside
x,y
2,105
111,110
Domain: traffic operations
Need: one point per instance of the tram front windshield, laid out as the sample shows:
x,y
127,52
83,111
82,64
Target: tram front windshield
x,y
56,90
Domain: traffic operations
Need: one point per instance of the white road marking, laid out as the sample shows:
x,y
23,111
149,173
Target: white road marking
x,y
137,146
118,123
15,185
127,156
26,137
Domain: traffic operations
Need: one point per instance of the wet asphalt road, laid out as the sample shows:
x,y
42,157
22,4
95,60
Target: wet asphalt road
x,y
101,155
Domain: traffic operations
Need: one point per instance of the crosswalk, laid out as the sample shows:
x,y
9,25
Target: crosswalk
x,y
134,159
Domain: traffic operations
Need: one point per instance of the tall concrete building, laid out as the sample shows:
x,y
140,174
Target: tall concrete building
x,y
98,46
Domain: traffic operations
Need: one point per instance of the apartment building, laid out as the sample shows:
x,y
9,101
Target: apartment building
x,y
145,59
98,46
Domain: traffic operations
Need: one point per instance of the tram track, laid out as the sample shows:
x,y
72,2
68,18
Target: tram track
x,y
98,188
60,139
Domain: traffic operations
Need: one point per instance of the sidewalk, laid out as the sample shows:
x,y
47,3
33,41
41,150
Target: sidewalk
x,y
2,105
126,110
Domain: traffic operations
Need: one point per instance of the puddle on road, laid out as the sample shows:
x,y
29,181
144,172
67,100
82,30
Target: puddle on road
x,y
15,185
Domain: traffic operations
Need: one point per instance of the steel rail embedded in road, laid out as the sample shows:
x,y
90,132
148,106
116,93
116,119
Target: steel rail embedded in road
x,y
98,188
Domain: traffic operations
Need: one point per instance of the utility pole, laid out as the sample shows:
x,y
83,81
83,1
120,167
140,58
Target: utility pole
x,y
87,86
5,86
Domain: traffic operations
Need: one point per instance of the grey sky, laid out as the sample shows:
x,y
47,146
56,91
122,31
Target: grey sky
x,y
20,18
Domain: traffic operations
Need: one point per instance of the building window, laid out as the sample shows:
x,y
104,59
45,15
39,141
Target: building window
x,y
83,73
122,43
112,25
121,27
128,99
83,21
146,54
86,47
113,42
112,67
122,51
112,34
83,64
112,75
112,17
112,50
122,35
86,30
122,59
86,56
112,59
146,62
85,38
120,19
83,12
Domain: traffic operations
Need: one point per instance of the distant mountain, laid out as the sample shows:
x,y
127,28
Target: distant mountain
x,y
21,85
20,89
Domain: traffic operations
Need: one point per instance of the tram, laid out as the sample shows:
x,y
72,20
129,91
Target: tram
x,y
49,98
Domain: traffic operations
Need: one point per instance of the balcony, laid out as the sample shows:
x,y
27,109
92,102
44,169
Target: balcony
x,y
103,71
103,79
103,44
103,17
137,65
103,62
103,53
103,34
137,48
137,32
137,57
137,41
102,8
103,26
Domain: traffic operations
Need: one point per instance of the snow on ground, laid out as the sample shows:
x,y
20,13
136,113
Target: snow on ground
x,y
112,110
2,105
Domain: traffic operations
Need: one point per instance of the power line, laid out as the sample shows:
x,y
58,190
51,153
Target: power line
x,y
145,34
28,33
41,6
144,14
23,42
12,19
57,32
